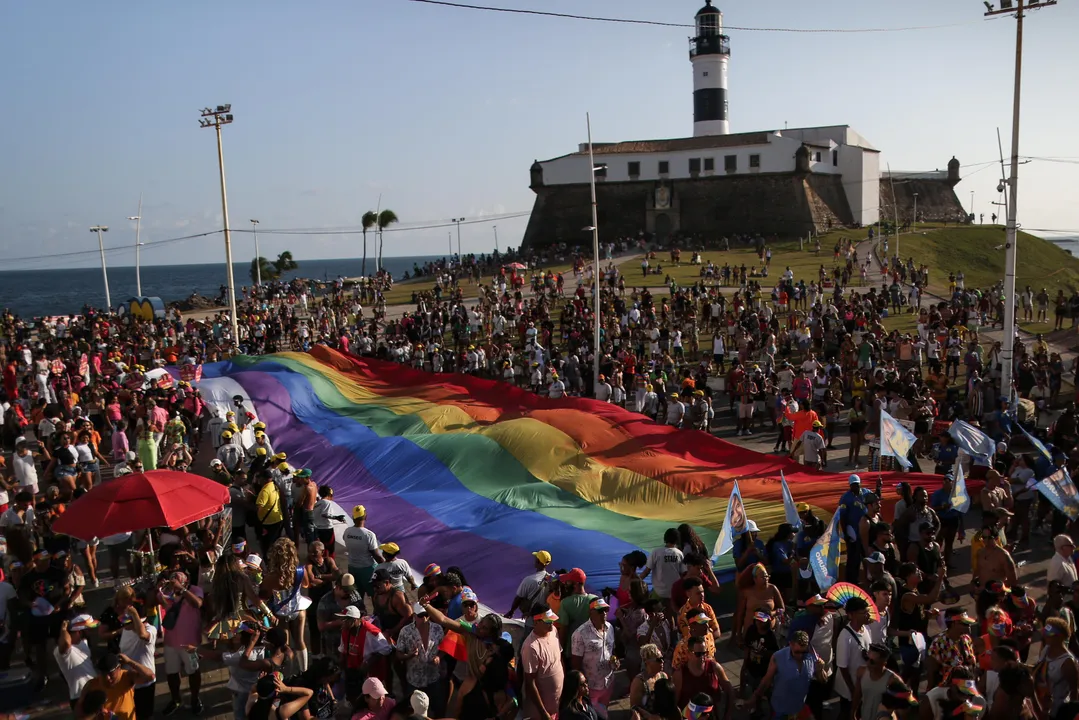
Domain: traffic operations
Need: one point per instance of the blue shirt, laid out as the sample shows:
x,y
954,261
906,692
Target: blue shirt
x,y
941,501
454,611
946,455
852,508
791,683
740,547
781,555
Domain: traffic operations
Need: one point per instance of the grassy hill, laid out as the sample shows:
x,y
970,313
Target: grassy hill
x,y
978,251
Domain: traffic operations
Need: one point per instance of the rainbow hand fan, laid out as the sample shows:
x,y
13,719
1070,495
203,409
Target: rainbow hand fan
x,y
843,591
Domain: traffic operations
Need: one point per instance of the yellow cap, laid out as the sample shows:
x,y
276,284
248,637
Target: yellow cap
x,y
543,556
261,452
390,547
226,434
283,467
359,512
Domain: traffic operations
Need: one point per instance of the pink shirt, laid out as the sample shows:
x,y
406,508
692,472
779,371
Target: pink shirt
x,y
188,628
383,713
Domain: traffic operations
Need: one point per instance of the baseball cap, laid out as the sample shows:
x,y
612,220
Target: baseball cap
x,y
215,462
359,512
700,619
418,609
599,604
382,575
350,612
818,423
763,617
574,576
253,561
963,617
469,595
109,663
373,686
391,547
854,480
303,473
875,558
752,526
547,616
84,621
420,703
543,556
817,599
347,580
802,507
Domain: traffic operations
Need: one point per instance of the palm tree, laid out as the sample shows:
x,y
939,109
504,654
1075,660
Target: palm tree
x,y
262,268
370,220
385,219
284,263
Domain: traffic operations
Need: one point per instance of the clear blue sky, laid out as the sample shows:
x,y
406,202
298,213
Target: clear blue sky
x,y
443,110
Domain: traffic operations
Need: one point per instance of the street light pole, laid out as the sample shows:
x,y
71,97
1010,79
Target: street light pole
x,y
258,258
1011,235
104,273
215,118
971,207
496,238
138,248
458,221
595,254
914,222
449,240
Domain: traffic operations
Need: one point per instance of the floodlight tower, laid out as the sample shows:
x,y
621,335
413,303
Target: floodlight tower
x,y
215,118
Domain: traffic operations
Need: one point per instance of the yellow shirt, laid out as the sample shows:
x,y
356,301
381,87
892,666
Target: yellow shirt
x,y
120,698
269,504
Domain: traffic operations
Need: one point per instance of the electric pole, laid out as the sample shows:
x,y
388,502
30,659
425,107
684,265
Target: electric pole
x,y
215,118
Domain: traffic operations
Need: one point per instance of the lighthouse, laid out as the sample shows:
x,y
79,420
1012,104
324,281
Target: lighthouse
x,y
710,52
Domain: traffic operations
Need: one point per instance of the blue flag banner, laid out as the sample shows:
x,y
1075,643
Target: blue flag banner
x,y
895,440
1038,444
824,555
960,498
734,523
789,509
969,438
1059,490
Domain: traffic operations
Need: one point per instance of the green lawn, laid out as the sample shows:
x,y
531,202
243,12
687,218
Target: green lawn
x,y
402,291
978,251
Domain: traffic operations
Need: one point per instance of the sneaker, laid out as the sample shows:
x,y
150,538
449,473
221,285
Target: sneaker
x,y
740,433
749,432
171,708
196,707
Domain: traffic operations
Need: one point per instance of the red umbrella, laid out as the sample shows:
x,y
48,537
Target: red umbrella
x,y
159,498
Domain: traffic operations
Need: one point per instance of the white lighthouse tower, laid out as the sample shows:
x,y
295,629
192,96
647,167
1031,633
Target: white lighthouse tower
x,y
710,52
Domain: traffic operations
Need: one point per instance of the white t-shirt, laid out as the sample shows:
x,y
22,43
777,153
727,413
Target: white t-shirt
x,y
665,565
76,666
139,650
25,469
848,654
812,445
360,544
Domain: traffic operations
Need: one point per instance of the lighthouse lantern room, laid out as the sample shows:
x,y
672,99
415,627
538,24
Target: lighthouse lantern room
x,y
710,53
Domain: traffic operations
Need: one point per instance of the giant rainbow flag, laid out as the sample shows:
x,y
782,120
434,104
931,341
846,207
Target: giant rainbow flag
x,y
470,472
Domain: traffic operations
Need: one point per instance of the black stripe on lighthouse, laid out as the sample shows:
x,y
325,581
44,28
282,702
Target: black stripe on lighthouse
x,y
709,104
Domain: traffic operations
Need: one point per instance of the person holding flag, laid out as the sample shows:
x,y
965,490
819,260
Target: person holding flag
x,y
950,502
850,512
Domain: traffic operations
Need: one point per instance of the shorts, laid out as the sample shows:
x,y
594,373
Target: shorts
x,y
32,489
745,411
363,577
178,660
89,467
66,471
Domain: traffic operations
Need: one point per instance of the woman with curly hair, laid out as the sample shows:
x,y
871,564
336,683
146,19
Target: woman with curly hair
x,y
282,583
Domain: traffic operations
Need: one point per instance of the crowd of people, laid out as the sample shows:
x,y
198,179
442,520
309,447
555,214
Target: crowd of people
x,y
311,621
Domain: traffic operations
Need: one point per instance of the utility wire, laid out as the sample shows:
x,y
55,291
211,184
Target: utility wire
x,y
433,226
629,21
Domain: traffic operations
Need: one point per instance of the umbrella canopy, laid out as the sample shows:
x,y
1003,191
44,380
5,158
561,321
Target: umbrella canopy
x,y
159,498
516,266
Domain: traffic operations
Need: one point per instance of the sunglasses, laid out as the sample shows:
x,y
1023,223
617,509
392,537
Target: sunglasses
x,y
701,653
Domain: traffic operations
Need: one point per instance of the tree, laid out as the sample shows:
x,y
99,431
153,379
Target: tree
x,y
385,219
268,272
370,220
284,263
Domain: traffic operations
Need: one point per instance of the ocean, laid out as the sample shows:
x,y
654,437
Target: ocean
x,y
37,293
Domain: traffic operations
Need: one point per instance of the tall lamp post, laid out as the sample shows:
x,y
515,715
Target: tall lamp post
x,y
258,258
215,118
1008,345
914,221
496,238
104,273
595,254
971,207
458,221
138,248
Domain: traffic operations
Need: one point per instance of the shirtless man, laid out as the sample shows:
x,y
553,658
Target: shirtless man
x,y
993,560
996,495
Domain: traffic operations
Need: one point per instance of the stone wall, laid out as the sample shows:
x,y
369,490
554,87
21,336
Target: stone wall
x,y
781,204
937,201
